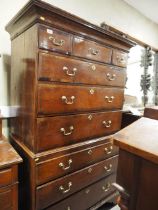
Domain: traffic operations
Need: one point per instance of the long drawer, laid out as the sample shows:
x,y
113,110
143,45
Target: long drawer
x,y
54,191
53,132
64,69
91,50
54,98
57,167
87,197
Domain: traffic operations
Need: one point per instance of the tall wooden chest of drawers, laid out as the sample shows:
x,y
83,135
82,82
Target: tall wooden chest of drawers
x,y
68,78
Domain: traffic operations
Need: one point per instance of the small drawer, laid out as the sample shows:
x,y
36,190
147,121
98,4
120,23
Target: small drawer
x,y
91,50
54,132
5,177
54,40
54,191
64,69
88,196
57,167
119,58
54,98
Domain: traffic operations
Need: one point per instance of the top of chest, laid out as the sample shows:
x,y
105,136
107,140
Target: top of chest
x,y
36,11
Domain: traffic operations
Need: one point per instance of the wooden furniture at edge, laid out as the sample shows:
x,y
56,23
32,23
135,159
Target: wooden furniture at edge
x,y
138,164
9,160
151,112
68,77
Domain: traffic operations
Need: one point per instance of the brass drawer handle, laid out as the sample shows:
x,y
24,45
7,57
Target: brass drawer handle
x,y
107,187
90,117
108,150
93,51
67,133
87,191
111,77
61,188
109,99
92,91
90,152
109,168
90,170
107,123
121,59
64,98
67,71
61,165
56,42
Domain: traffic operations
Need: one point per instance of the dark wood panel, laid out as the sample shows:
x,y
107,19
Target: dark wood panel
x,y
87,197
55,40
148,187
53,67
23,85
91,50
53,132
54,191
54,168
64,99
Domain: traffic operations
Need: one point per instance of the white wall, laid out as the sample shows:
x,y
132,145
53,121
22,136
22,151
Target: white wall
x,y
7,10
134,72
116,13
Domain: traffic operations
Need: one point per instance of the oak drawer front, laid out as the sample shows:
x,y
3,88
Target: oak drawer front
x,y
88,196
54,191
119,58
68,99
6,198
55,40
53,132
91,50
5,177
58,167
64,69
